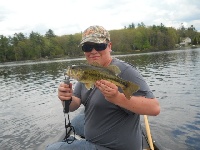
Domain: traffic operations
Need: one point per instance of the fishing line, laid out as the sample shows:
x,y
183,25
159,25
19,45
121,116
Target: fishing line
x,y
69,128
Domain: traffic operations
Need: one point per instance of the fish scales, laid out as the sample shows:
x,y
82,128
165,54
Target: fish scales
x,y
99,74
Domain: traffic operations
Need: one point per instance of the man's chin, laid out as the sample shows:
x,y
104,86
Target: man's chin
x,y
94,62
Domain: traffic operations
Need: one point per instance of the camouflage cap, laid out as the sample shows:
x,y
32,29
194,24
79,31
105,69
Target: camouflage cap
x,y
95,34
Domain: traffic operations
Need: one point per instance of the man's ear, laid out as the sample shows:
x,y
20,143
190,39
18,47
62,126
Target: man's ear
x,y
110,46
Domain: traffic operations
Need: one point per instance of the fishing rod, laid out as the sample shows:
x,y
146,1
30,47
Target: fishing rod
x,y
68,127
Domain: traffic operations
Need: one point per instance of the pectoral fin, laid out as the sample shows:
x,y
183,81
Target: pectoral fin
x,y
89,86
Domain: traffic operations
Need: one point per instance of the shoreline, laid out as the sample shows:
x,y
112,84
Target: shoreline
x,y
66,58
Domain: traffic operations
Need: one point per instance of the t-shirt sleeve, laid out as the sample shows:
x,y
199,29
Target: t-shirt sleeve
x,y
77,90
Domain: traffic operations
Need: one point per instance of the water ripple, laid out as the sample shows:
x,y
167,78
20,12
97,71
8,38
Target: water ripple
x,y
31,114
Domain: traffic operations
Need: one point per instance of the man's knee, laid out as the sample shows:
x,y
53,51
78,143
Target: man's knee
x,y
78,124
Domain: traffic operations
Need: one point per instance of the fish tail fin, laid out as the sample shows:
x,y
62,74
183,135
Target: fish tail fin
x,y
130,89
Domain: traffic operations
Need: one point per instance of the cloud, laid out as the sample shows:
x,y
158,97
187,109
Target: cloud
x,y
73,16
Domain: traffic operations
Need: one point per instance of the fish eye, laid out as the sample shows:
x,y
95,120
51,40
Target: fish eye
x,y
73,67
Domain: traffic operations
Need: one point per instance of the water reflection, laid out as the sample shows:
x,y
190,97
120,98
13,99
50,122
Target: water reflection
x,y
31,114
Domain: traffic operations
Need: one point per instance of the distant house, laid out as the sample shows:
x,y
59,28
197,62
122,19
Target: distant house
x,y
185,41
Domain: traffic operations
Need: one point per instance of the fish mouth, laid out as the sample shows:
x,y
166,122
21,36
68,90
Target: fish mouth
x,y
68,73
73,72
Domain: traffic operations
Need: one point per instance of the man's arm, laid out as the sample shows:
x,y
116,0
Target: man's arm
x,y
137,104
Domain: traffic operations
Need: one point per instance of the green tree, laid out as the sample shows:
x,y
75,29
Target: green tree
x,y
194,42
141,24
142,38
72,48
191,32
14,43
182,31
36,45
4,48
50,34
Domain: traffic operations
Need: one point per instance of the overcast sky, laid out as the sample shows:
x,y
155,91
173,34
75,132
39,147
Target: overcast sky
x,y
73,16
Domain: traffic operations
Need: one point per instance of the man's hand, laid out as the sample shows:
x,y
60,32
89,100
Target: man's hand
x,y
65,91
108,89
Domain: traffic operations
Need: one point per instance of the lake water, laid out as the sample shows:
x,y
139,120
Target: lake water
x,y
31,116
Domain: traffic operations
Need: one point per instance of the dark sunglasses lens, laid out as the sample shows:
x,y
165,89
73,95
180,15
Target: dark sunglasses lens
x,y
100,47
87,48
97,47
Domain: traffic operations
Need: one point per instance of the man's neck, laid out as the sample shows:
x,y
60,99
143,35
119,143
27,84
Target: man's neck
x,y
107,63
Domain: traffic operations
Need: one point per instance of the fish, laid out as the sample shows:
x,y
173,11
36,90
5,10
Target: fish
x,y
89,74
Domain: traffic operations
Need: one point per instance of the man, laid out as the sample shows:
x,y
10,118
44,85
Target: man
x,y
111,120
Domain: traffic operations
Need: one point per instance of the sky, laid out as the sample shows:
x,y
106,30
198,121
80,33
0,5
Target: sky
x,y
74,16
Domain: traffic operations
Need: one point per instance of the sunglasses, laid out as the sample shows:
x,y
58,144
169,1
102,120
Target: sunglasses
x,y
97,47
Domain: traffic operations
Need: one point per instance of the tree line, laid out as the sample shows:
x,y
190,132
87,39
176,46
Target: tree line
x,y
128,40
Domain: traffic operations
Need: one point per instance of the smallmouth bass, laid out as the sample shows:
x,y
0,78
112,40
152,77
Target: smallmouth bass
x,y
89,74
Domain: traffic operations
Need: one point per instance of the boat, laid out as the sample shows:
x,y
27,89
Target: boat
x,y
146,144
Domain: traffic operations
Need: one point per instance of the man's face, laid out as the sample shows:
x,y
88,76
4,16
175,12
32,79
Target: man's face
x,y
102,57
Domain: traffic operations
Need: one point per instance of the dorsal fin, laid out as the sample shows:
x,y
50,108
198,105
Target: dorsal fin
x,y
114,69
96,64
